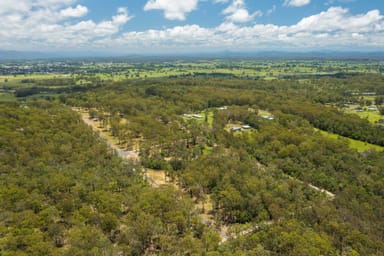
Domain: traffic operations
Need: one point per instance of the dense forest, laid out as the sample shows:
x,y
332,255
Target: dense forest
x,y
277,184
63,192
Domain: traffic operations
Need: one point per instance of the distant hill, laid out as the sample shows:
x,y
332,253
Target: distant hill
x,y
303,55
22,55
35,55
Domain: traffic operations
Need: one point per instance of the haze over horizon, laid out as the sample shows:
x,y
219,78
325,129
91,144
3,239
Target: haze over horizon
x,y
165,26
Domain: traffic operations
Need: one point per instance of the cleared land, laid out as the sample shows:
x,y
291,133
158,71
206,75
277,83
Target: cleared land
x,y
355,144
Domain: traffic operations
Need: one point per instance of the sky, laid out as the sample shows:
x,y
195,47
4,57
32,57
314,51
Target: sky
x,y
188,26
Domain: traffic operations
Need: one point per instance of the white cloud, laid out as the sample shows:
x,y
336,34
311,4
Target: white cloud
x,y
237,12
173,10
334,28
79,11
50,24
9,6
51,3
270,11
337,19
122,17
23,6
37,26
297,3
330,2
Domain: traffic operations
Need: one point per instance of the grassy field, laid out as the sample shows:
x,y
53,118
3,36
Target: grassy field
x,y
118,71
371,115
206,116
264,113
17,79
7,97
355,144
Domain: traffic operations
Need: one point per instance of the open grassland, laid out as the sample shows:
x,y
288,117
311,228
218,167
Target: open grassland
x,y
116,70
355,144
371,115
262,112
7,97
21,79
205,116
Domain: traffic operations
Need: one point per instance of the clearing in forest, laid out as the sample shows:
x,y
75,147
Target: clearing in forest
x,y
155,178
360,146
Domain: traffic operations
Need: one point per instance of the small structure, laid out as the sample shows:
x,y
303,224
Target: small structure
x,y
246,127
372,108
268,117
236,129
197,116
188,115
222,108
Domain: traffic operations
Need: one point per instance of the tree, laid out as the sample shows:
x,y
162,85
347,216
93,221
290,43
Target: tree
x,y
381,110
379,100
87,240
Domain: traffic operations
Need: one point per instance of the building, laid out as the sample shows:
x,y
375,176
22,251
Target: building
x,y
268,117
236,129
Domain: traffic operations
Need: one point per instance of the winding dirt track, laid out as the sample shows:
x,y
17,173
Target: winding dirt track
x,y
152,177
154,180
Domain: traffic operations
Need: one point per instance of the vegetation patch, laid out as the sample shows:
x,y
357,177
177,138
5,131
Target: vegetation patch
x,y
283,189
355,144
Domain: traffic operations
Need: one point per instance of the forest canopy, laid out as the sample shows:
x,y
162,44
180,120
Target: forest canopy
x,y
285,166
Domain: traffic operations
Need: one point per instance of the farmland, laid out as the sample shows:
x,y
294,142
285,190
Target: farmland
x,y
54,77
355,144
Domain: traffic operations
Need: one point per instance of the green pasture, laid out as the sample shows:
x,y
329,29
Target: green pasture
x,y
7,97
16,81
262,112
371,115
207,150
354,144
206,116
265,69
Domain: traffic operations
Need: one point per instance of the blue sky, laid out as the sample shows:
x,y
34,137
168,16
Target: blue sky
x,y
161,26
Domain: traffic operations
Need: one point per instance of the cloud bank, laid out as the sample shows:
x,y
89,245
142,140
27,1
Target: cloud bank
x,y
53,25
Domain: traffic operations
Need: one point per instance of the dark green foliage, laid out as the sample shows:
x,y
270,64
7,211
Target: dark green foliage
x,y
293,153
63,192
334,121
60,183
381,110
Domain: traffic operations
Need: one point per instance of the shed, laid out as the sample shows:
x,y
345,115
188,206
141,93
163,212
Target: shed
x,y
236,129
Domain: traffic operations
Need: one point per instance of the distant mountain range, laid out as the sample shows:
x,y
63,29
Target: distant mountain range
x,y
19,55
34,55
